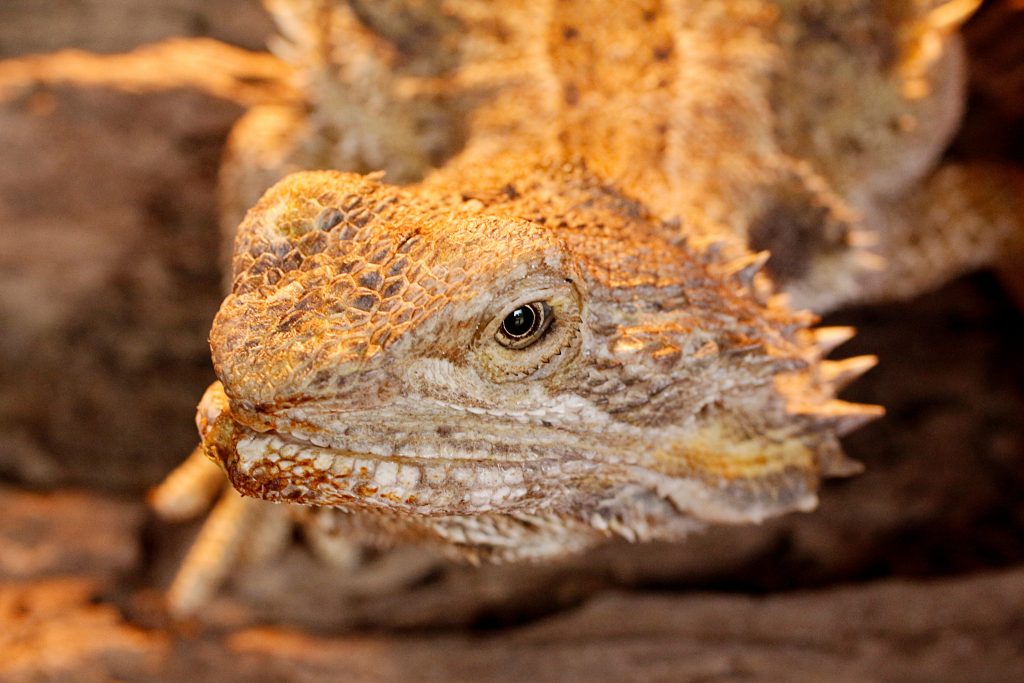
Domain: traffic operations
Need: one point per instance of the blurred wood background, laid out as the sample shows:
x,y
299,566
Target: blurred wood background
x,y
108,282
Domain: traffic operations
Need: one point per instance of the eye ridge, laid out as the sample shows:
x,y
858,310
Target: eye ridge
x,y
524,325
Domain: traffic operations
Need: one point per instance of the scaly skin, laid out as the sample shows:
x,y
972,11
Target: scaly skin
x,y
633,176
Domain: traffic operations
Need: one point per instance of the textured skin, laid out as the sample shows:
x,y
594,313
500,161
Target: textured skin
x,y
633,174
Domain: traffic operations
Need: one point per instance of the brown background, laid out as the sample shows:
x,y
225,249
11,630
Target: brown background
x,y
108,281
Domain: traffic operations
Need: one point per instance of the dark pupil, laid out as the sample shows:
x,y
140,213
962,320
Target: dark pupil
x,y
519,322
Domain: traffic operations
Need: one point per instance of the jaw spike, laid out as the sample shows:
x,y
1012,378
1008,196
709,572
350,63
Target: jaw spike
x,y
840,373
843,416
828,338
841,466
949,15
744,269
834,463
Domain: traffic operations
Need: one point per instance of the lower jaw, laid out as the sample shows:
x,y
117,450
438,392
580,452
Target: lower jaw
x,y
277,467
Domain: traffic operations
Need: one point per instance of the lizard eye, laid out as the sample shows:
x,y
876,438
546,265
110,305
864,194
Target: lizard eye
x,y
524,325
530,332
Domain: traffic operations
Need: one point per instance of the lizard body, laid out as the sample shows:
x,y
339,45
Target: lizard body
x,y
587,316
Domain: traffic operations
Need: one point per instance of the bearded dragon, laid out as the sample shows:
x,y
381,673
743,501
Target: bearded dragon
x,y
584,310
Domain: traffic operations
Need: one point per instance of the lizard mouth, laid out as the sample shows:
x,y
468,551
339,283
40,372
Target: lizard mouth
x,y
276,466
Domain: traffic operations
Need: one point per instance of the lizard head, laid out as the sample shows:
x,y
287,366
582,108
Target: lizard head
x,y
543,346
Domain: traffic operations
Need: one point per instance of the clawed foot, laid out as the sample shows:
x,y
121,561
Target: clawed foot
x,y
238,531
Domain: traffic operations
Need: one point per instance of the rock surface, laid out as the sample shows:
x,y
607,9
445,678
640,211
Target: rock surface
x,y
108,254
63,628
57,630
60,554
67,533
36,26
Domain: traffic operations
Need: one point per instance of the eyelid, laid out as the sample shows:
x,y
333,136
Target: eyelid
x,y
558,345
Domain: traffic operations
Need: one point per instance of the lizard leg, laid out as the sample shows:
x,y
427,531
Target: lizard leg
x,y
329,542
961,218
189,490
237,530
269,536
234,525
